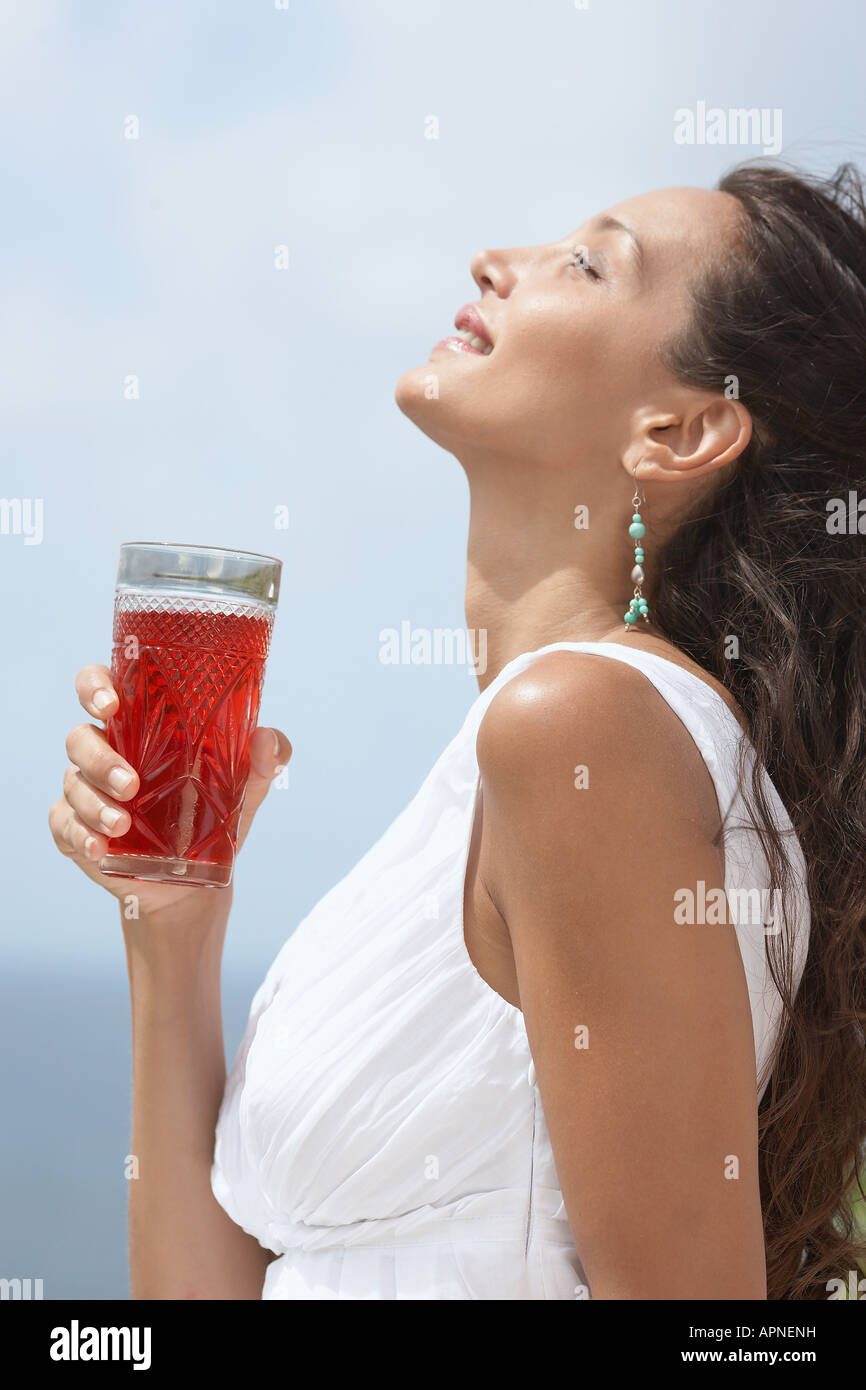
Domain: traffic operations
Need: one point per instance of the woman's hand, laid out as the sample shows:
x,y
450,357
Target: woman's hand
x,y
98,782
182,1244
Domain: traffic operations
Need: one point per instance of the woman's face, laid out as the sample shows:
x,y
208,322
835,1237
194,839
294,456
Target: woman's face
x,y
576,328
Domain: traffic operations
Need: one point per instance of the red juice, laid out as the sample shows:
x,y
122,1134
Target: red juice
x,y
189,677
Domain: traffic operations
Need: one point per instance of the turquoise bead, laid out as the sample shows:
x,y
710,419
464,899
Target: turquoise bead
x,y
630,618
637,530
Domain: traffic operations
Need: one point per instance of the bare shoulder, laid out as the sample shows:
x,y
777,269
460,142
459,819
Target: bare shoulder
x,y
578,710
598,810
559,694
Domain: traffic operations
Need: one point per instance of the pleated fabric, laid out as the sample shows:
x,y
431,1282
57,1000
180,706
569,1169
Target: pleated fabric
x,y
381,1129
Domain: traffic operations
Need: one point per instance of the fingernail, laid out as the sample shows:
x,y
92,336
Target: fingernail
x,y
102,698
276,743
109,816
119,779
88,846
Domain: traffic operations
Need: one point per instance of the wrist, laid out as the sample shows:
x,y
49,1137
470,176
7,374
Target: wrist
x,y
187,932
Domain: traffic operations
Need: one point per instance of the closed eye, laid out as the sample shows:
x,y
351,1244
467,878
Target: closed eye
x,y
581,258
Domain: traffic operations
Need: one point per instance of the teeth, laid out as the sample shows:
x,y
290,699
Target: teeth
x,y
474,341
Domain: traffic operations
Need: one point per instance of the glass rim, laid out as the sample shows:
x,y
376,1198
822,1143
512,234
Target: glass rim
x,y
201,550
200,570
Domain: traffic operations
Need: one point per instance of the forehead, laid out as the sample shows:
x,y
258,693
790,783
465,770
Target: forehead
x,y
676,226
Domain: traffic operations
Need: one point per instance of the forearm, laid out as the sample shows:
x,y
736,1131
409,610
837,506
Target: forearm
x,y
182,1244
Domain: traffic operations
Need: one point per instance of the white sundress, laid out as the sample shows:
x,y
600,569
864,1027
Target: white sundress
x,y
381,1130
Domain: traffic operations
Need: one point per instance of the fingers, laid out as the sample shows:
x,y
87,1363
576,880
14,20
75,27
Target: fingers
x,y
270,751
71,836
82,821
88,748
95,691
93,809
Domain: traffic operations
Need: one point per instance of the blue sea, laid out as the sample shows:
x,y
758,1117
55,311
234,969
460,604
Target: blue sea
x,y
65,1096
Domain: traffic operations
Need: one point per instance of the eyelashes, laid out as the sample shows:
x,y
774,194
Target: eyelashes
x,y
580,257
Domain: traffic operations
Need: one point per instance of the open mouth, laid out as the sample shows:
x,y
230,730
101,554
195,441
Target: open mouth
x,y
479,344
471,335
464,341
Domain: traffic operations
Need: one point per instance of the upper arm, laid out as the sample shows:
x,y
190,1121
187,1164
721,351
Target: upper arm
x,y
639,1026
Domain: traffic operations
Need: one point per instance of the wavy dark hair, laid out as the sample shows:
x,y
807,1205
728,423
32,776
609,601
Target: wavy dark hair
x,y
783,313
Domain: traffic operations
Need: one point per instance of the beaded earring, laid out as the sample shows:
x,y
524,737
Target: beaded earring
x,y
638,607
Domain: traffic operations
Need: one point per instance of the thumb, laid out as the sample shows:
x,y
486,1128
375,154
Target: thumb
x,y
270,751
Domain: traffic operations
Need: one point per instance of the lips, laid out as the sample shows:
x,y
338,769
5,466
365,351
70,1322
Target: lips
x,y
469,318
473,335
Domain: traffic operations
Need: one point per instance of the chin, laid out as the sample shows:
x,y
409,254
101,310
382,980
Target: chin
x,y
426,410
440,409
417,395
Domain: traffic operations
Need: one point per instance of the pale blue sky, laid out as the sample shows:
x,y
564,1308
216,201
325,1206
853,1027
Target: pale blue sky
x,y
303,127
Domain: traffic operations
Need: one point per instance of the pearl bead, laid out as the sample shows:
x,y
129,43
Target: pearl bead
x,y
637,575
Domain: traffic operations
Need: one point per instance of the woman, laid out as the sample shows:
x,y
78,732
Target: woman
x,y
529,1048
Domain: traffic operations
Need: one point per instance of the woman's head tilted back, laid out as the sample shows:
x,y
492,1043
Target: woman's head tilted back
x,y
576,380
717,339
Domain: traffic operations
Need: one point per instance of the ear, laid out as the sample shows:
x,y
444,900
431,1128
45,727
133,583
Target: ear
x,y
705,434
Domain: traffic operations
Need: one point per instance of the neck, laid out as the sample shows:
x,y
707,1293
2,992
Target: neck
x,y
533,578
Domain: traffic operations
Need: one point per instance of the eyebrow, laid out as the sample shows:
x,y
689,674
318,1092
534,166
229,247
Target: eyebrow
x,y
607,223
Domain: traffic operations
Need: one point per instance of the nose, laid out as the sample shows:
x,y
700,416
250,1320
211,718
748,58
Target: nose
x,y
493,270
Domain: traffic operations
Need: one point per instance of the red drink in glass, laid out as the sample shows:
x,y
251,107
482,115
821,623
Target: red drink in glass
x,y
188,670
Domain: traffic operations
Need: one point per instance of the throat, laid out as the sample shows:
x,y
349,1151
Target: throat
x,y
529,583
559,608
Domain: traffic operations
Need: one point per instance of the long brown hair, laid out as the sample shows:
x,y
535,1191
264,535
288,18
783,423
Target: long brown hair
x,y
777,559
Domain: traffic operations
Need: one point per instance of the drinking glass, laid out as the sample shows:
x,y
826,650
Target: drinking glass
x,y
192,628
